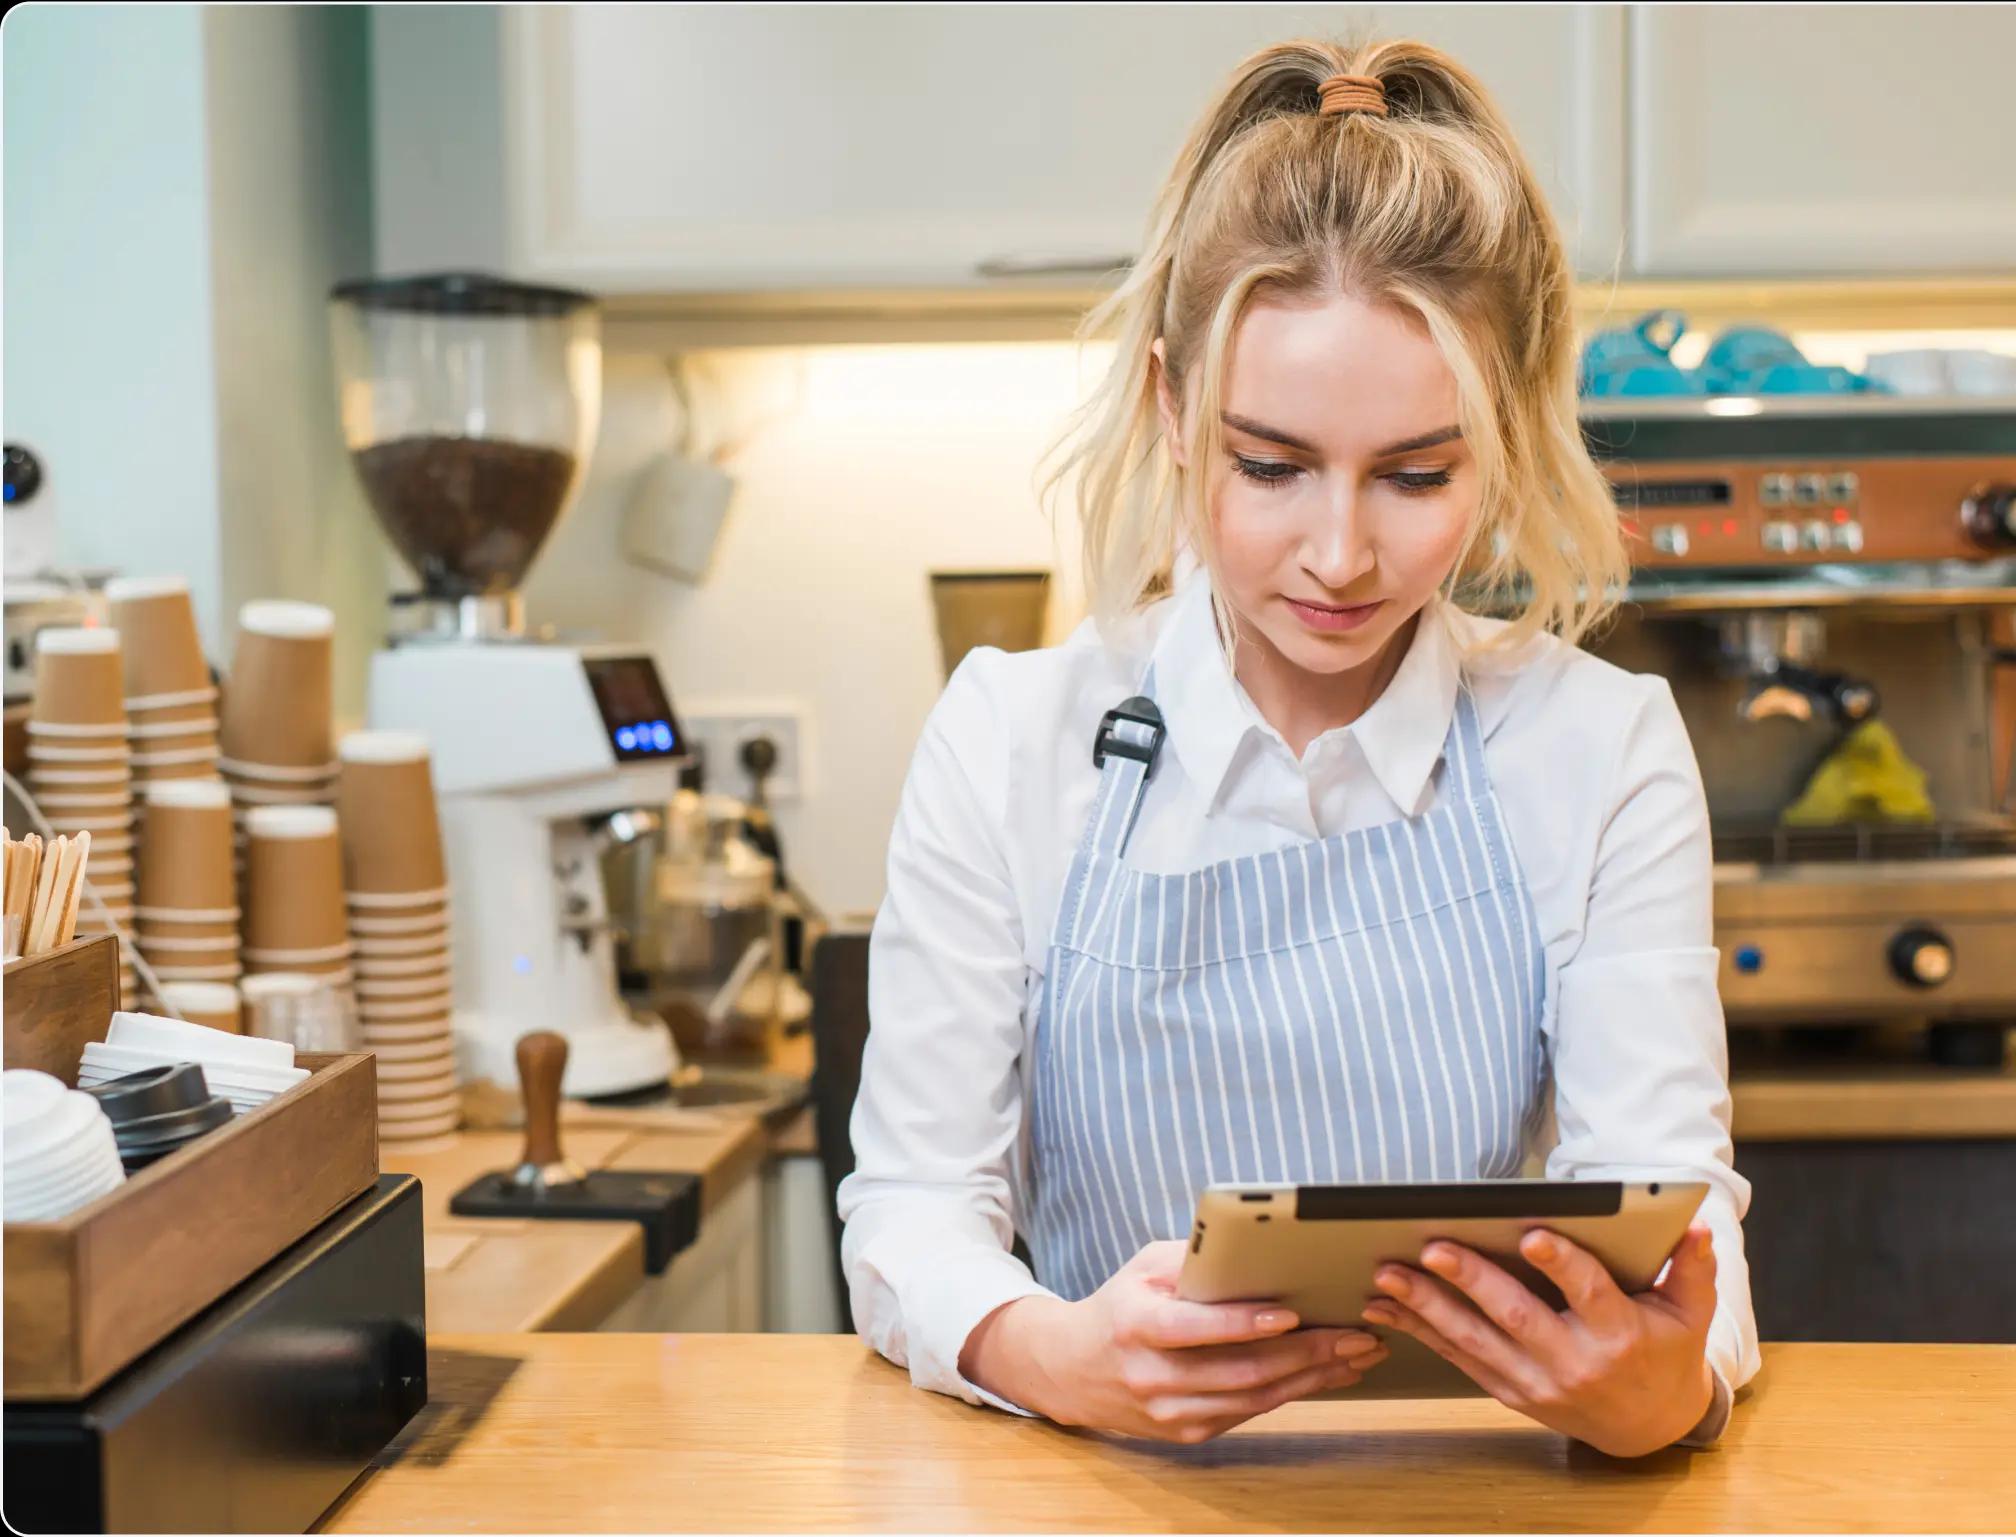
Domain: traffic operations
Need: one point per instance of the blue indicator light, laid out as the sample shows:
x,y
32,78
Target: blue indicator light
x,y
1749,959
626,738
661,736
522,964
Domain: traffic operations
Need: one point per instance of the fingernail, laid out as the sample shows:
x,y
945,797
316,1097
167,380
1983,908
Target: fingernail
x,y
1275,1319
1437,1258
1378,1315
1370,1359
1394,1281
1354,1344
1541,1246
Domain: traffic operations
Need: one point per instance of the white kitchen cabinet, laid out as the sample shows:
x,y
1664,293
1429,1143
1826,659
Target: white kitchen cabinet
x,y
730,147
1787,140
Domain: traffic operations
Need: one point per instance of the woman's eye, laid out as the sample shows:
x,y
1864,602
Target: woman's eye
x,y
1266,472
1419,482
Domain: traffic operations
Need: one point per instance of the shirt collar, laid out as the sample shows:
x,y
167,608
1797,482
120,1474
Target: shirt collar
x,y
1210,717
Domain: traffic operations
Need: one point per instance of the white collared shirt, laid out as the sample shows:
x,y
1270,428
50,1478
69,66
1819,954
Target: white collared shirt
x,y
1603,803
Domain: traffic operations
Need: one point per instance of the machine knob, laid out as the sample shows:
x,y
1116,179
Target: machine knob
x,y
1921,957
1989,514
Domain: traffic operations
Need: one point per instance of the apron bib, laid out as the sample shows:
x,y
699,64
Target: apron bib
x,y
1359,1008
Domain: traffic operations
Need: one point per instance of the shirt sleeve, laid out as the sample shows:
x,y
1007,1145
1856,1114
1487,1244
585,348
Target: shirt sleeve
x,y
1638,1042
929,1207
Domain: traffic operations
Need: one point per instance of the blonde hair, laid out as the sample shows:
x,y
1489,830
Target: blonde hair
x,y
1432,208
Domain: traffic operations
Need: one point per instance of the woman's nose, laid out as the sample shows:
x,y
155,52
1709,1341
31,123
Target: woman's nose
x,y
1337,552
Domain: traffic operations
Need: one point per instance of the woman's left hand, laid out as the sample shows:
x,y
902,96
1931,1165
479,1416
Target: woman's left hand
x,y
1627,1374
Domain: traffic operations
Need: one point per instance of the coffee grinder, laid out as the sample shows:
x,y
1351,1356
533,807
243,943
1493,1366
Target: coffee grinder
x,y
469,406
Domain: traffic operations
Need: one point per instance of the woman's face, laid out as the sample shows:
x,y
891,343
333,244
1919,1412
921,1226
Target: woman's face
x,y
1345,488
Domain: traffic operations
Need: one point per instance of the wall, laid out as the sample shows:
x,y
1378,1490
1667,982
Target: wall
x,y
183,183
108,320
865,468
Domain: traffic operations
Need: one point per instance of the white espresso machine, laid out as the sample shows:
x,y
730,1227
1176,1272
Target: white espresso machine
x,y
469,405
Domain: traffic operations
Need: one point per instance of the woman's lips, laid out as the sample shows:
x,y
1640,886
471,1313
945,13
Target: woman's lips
x,y
1332,618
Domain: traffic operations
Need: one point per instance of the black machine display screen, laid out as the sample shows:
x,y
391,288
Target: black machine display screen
x,y
636,712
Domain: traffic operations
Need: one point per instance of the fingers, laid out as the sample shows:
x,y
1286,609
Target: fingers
x,y
1170,1323
1504,1301
1456,1321
1198,1418
1393,1315
1595,1298
1689,1283
1161,1260
1247,1368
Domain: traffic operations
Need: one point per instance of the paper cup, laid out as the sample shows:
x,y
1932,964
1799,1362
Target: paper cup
x,y
426,923
412,985
146,731
394,1090
277,702
401,1033
434,963
184,709
224,973
185,847
304,795
293,879
391,826
434,1069
94,824
175,757
57,734
400,947
214,1004
404,1010
262,775
157,628
431,1049
189,951
186,923
77,678
72,754
86,800
417,1135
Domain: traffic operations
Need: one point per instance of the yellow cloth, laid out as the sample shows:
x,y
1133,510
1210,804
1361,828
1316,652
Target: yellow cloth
x,y
1866,779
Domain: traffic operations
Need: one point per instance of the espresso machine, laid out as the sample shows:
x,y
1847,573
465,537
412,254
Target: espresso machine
x,y
1803,566
469,405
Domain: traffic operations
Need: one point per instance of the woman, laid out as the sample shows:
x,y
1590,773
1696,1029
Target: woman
x,y
1366,887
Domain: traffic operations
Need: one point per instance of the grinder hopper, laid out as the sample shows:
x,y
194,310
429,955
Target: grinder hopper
x,y
469,406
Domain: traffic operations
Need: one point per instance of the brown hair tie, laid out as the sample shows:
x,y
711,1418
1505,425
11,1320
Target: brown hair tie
x,y
1351,93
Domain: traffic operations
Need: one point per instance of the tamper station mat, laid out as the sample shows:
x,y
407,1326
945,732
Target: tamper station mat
x,y
546,1184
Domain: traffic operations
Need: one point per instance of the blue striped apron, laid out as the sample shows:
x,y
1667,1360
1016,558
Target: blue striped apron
x,y
1362,1007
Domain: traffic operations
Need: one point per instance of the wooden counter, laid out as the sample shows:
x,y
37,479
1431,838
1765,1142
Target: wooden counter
x,y
493,1275
637,1433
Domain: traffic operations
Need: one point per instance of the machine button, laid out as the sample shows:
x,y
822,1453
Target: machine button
x,y
1989,515
1669,538
1848,536
1780,538
1843,486
1749,960
1816,535
1921,957
1775,490
1807,490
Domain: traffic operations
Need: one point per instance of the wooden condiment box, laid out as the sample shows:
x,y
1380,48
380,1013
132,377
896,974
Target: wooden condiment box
x,y
88,1294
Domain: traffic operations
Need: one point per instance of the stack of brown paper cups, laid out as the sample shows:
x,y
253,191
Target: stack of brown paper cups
x,y
171,704
277,731
80,771
294,893
215,1004
188,908
396,888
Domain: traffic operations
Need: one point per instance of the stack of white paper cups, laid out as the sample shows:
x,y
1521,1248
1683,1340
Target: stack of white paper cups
x,y
396,886
276,729
171,704
188,909
294,893
80,771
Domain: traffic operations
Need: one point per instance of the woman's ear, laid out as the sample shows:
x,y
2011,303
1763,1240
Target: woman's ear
x,y
1166,405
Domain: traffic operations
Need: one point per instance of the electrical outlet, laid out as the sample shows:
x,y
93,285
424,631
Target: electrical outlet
x,y
720,727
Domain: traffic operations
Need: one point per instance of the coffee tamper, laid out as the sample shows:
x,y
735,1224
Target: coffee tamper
x,y
542,1062
546,1183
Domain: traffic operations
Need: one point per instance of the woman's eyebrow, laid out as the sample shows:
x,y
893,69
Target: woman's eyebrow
x,y
1247,425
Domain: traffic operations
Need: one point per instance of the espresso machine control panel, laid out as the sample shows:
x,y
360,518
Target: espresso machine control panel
x,y
636,713
1809,482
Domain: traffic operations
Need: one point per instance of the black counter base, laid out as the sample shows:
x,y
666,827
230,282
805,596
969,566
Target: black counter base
x,y
256,1415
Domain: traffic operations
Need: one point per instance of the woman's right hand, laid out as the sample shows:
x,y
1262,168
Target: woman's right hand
x,y
1135,1358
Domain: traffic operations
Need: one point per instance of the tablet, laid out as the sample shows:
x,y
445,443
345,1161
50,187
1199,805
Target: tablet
x,y
1315,1249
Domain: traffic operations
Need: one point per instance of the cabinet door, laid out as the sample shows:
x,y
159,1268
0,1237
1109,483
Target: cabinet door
x,y
1791,140
726,147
